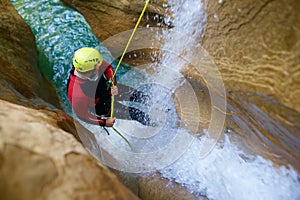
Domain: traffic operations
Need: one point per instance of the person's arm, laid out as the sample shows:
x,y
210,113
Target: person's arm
x,y
81,109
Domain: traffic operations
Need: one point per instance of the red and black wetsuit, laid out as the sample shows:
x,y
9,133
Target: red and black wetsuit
x,y
88,97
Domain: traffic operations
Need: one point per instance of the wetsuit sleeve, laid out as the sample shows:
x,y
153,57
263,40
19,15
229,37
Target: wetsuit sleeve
x,y
108,71
81,109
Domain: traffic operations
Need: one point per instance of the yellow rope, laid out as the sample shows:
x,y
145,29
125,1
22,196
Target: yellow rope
x,y
124,138
119,63
124,52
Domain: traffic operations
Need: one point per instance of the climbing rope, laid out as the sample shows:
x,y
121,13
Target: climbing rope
x,y
119,63
123,54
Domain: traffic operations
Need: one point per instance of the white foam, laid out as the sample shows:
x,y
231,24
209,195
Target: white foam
x,y
227,173
224,173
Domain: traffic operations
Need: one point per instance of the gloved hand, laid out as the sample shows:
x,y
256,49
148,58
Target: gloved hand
x,y
114,90
110,122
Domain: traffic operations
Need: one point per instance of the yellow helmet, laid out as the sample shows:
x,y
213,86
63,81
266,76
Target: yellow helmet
x,y
85,59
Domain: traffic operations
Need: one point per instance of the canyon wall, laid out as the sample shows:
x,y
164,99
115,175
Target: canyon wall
x,y
41,154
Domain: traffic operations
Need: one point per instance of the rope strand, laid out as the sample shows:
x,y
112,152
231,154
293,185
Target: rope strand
x,y
123,54
119,63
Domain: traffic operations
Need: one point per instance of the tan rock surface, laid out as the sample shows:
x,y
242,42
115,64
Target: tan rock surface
x,y
38,158
155,187
256,46
40,161
261,125
20,79
108,18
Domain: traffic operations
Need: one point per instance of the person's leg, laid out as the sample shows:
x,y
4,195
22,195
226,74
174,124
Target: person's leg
x,y
122,110
139,114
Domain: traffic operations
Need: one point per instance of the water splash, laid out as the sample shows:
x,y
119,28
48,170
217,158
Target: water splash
x,y
188,18
228,173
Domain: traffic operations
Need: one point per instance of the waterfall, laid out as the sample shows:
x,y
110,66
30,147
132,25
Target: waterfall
x,y
227,172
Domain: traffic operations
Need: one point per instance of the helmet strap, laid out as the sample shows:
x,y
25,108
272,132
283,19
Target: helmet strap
x,y
93,78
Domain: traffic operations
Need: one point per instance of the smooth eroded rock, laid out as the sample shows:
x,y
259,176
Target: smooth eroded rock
x,y
21,81
38,160
108,18
256,46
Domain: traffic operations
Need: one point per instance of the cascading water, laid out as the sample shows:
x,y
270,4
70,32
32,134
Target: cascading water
x,y
226,173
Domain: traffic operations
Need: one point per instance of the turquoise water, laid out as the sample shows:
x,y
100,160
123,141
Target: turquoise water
x,y
59,31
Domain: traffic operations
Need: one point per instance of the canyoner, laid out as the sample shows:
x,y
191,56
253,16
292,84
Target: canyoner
x,y
92,86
